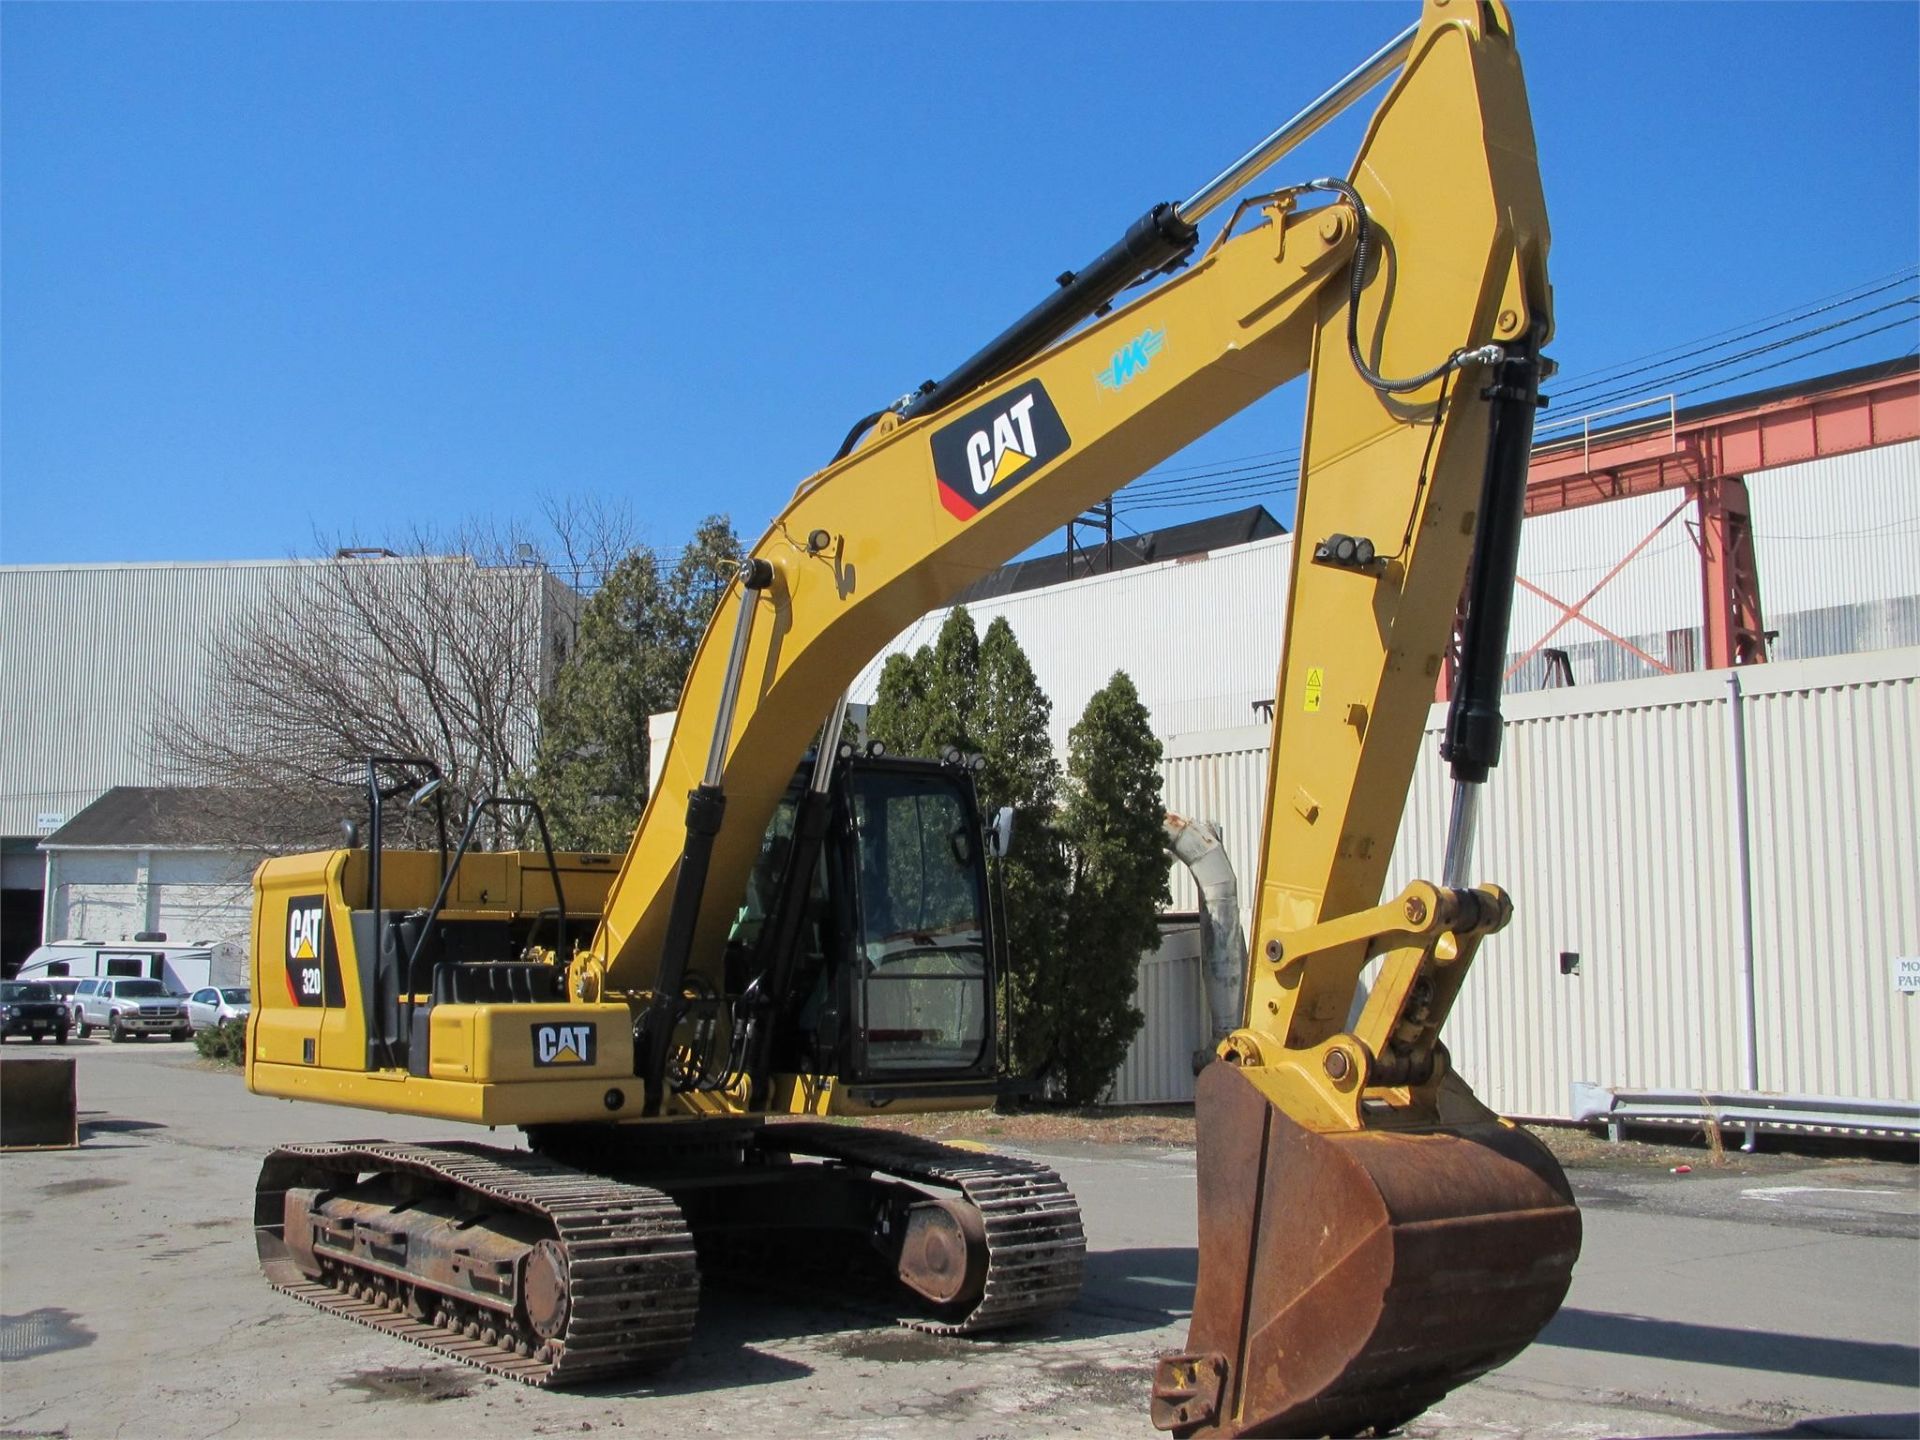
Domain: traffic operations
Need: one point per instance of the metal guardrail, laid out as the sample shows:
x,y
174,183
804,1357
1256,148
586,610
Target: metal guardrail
x,y
1751,1112
1627,429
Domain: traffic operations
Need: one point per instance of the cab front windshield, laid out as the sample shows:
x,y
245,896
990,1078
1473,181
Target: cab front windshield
x,y
922,954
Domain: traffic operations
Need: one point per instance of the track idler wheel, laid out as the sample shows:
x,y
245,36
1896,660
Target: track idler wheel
x,y
1350,1280
943,1256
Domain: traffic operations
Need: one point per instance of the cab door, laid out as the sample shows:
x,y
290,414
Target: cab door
x,y
922,972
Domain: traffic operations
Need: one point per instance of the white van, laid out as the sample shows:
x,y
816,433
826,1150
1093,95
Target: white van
x,y
182,968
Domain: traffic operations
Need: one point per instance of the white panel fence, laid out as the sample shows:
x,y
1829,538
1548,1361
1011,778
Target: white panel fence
x,y
1716,878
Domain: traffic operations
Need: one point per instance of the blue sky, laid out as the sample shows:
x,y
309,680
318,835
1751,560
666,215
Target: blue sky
x,y
268,271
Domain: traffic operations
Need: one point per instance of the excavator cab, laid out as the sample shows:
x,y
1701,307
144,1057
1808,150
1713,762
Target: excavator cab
x,y
866,952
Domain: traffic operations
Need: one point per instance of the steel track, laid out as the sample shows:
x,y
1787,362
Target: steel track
x,y
633,1288
1036,1248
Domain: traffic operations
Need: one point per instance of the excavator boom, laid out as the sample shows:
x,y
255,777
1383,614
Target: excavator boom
x,y
929,504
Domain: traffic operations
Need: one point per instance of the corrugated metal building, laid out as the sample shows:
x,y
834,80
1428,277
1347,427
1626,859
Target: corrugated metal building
x,y
1835,541
1612,821
94,657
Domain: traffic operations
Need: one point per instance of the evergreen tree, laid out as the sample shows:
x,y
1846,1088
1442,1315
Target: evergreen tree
x,y
1011,733
1112,822
894,717
630,658
983,698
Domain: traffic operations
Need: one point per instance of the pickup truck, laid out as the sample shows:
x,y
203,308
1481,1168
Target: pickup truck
x,y
124,1007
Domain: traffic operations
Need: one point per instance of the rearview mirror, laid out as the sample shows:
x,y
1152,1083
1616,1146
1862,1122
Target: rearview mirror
x,y
1000,833
424,793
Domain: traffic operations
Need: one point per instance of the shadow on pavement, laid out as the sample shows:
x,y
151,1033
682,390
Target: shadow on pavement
x,y
1133,1290
89,1128
733,1321
1125,1292
1877,1362
1868,1427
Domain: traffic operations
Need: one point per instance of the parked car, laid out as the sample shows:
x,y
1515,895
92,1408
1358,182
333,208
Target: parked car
x,y
124,1007
213,1006
32,1009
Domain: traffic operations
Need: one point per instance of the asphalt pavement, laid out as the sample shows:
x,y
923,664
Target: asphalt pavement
x,y
1703,1305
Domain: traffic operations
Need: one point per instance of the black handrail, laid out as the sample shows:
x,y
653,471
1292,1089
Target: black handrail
x,y
480,807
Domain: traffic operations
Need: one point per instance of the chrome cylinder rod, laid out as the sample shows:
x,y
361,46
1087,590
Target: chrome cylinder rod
x,y
823,757
1229,181
1461,821
755,576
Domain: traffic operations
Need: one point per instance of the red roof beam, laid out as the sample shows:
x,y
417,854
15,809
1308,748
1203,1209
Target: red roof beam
x,y
1653,456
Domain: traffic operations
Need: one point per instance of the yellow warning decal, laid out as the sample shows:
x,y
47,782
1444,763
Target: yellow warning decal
x,y
1316,682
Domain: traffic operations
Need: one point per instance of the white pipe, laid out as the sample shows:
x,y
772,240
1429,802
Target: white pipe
x,y
1742,887
1223,941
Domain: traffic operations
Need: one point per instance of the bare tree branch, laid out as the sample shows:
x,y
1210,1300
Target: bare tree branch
x,y
439,645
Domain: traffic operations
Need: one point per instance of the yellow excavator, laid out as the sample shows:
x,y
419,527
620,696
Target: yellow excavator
x,y
801,929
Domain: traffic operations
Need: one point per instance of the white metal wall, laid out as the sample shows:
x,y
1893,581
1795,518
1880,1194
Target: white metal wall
x,y
1836,869
1158,1069
1834,543
91,656
188,895
1568,553
1838,531
1610,820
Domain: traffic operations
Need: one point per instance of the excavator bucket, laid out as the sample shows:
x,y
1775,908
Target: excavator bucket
x,y
1348,1281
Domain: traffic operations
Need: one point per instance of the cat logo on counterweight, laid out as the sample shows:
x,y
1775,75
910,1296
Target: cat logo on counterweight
x,y
563,1045
986,452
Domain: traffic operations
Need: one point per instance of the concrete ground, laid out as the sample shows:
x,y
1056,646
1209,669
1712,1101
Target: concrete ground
x,y
1782,1303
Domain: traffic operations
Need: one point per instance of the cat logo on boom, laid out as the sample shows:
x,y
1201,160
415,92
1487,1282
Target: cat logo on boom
x,y
989,450
562,1045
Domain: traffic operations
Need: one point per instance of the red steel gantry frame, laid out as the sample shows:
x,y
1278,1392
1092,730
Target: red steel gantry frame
x,y
1704,455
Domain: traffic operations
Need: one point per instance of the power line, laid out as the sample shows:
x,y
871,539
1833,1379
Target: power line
x,y
1607,374
1645,383
1276,472
1155,481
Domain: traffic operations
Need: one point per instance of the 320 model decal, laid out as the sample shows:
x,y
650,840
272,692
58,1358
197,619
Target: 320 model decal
x,y
313,961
